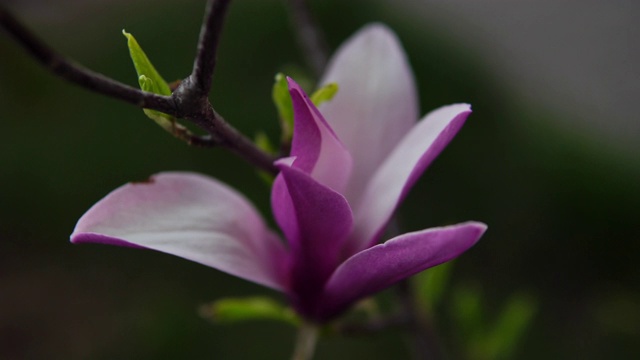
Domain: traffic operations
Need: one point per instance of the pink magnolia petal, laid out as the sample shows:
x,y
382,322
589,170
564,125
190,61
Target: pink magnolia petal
x,y
316,220
376,104
191,216
317,149
395,177
381,266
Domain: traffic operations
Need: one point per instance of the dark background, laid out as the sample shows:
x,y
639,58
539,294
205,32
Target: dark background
x,y
560,196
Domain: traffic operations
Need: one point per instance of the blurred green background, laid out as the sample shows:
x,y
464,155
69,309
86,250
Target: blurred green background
x,y
561,202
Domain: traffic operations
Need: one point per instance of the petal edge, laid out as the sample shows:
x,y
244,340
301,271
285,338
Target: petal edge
x,y
401,169
398,258
377,103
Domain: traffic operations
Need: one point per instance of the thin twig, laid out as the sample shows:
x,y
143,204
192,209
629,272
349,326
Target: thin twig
x,y
310,39
188,101
205,61
77,74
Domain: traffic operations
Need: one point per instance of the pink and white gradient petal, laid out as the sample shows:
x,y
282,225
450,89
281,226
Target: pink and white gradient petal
x,y
376,104
315,146
191,216
402,168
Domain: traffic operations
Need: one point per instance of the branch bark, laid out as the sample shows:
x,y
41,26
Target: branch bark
x,y
77,74
205,61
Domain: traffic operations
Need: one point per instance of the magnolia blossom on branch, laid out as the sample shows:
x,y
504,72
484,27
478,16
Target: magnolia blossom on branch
x,y
351,164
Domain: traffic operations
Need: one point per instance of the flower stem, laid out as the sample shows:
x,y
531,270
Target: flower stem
x,y
305,342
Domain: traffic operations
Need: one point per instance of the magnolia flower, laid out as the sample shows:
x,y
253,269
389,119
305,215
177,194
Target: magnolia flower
x,y
351,164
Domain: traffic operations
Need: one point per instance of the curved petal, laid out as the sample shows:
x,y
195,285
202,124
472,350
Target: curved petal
x,y
381,266
191,216
315,146
377,101
316,220
401,169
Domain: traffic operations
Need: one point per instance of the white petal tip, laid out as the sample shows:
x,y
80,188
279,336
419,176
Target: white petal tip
x,y
377,30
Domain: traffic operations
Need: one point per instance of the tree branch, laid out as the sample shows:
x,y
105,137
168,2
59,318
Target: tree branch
x,y
205,61
310,38
77,74
189,101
